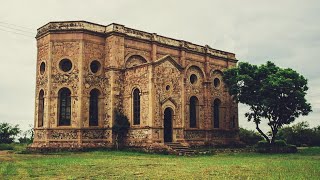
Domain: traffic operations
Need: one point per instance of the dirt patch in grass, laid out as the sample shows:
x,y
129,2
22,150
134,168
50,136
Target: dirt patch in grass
x,y
4,152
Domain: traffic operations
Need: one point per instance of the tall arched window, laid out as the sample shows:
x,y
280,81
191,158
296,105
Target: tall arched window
x,y
193,108
64,107
94,108
136,107
40,108
216,113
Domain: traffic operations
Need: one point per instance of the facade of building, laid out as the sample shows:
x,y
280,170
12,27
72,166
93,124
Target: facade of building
x,y
170,90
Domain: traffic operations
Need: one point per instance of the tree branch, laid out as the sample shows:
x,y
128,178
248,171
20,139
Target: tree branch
x,y
262,133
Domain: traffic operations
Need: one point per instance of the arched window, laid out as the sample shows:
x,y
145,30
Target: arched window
x,y
193,108
64,107
136,107
216,113
94,108
40,108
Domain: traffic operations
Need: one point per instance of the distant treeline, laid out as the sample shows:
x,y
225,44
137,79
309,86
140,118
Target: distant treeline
x,y
299,134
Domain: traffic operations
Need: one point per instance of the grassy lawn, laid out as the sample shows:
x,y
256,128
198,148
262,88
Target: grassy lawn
x,y
133,165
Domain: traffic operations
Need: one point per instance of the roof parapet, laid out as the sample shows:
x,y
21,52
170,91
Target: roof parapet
x,y
118,28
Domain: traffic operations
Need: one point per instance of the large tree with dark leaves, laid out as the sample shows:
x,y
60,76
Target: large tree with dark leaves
x,y
273,94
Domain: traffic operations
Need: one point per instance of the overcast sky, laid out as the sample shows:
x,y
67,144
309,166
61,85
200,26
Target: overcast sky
x,y
285,32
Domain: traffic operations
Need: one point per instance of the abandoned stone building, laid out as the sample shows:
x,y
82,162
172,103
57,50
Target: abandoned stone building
x,y
170,90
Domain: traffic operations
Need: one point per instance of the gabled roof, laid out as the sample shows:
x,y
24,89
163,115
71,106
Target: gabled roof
x,y
170,59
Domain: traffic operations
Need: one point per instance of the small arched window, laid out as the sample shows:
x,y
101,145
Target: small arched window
x,y
40,108
64,107
94,108
193,111
216,113
136,107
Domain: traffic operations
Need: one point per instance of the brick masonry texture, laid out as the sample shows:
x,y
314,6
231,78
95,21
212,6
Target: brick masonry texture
x,y
160,67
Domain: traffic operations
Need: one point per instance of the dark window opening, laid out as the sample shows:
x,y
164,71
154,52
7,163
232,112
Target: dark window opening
x,y
65,65
95,66
216,113
136,107
42,68
94,108
41,109
193,78
64,107
193,111
216,82
167,126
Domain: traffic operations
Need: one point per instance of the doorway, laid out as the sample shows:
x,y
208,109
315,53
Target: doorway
x,y
168,114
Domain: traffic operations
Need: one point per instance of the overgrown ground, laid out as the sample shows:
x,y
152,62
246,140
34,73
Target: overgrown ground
x,y
132,165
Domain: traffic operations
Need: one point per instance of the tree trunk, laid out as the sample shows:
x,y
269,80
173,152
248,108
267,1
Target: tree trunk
x,y
274,133
264,135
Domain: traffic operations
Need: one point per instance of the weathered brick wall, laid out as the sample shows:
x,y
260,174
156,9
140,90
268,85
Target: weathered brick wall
x,y
133,47
114,51
94,51
137,77
197,90
168,89
70,49
42,79
160,67
167,74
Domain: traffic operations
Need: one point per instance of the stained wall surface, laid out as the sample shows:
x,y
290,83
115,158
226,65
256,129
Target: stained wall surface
x,y
115,60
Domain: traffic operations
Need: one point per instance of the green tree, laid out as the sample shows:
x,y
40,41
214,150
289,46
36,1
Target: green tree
x,y
274,94
8,132
120,127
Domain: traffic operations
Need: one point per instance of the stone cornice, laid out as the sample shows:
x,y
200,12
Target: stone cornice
x,y
122,30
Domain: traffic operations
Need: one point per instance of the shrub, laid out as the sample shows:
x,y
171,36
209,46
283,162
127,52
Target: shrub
x,y
279,146
280,143
292,148
120,127
300,134
249,137
25,140
263,144
316,137
6,147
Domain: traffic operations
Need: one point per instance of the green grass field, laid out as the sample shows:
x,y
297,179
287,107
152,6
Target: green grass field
x,y
133,165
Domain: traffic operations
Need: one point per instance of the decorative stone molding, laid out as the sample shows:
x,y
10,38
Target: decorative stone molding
x,y
159,66
121,29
